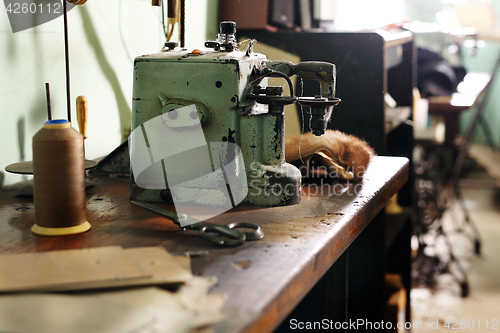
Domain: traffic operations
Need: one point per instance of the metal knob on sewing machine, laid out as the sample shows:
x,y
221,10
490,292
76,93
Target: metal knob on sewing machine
x,y
232,150
226,39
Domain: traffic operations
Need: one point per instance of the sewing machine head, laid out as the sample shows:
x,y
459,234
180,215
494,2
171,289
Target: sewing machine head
x,y
206,129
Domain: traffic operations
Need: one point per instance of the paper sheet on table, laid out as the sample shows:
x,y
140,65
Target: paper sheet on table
x,y
138,310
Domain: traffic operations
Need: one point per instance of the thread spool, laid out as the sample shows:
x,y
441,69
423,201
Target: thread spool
x,y
59,182
77,2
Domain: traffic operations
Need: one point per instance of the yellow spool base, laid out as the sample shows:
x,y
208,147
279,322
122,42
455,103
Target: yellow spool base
x,y
44,231
393,208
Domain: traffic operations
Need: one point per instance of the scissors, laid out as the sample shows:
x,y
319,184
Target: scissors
x,y
234,236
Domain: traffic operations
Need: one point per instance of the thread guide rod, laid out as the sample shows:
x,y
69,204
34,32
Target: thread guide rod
x,y
47,93
66,51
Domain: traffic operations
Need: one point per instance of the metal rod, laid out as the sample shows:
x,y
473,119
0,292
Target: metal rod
x,y
47,93
66,51
182,31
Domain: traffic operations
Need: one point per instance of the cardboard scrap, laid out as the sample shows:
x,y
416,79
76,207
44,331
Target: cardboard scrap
x,y
146,309
93,268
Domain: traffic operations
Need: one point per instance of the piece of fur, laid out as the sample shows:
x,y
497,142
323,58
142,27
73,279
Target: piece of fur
x,y
345,155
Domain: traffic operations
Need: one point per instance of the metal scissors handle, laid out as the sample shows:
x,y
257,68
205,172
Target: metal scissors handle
x,y
233,236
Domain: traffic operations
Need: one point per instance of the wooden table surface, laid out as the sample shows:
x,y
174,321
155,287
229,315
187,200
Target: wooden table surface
x,y
469,89
450,107
265,279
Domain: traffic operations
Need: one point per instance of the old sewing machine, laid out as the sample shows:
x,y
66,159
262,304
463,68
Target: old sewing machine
x,y
207,131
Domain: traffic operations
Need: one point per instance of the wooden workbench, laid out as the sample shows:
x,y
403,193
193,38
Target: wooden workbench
x,y
264,280
451,107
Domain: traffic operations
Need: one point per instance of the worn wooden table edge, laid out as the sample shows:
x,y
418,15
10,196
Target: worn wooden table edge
x,y
326,254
